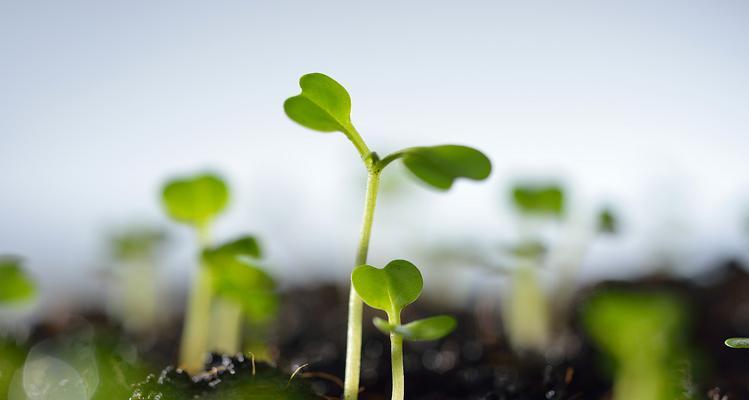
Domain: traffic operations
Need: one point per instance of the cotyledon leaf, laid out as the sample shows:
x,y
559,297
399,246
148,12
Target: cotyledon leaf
x,y
389,289
440,166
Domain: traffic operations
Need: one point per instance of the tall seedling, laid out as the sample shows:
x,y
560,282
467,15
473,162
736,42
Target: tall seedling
x,y
325,106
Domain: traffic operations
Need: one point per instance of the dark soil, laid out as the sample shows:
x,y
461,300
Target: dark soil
x,y
474,362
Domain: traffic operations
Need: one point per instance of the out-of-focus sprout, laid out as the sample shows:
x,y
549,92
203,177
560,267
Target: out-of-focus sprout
x,y
527,314
244,291
136,248
607,221
644,335
16,286
196,201
391,289
230,286
324,105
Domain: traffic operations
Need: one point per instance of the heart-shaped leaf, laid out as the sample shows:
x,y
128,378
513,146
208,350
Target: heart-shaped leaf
x,y
431,328
440,166
15,285
195,200
539,200
738,343
389,289
324,105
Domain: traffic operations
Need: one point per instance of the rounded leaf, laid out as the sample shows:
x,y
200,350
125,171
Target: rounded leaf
x,y
324,105
195,200
539,200
389,289
440,166
431,328
15,285
738,343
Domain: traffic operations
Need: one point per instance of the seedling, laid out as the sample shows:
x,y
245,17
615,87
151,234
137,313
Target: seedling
x,y
243,289
527,311
324,105
229,285
643,334
196,201
391,289
16,287
135,250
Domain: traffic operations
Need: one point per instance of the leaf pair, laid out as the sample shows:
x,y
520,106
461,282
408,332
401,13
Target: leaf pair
x,y
237,277
195,200
324,105
15,285
391,289
538,200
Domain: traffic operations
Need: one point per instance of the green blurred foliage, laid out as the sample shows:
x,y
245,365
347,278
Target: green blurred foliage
x,y
237,276
195,200
12,356
539,200
137,242
643,333
15,285
608,221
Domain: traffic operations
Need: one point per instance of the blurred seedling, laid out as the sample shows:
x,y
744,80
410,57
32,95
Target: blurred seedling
x,y
391,289
16,286
229,286
136,248
324,105
527,314
643,334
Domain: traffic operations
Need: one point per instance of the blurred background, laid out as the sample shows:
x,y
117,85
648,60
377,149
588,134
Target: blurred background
x,y
639,106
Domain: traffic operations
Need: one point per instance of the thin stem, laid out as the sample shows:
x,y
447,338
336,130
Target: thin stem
x,y
396,359
359,143
354,334
195,330
227,324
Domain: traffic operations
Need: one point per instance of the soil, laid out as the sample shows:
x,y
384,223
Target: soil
x,y
473,362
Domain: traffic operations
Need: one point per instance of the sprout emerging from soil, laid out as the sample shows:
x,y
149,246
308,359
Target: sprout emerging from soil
x,y
230,284
324,105
391,289
644,335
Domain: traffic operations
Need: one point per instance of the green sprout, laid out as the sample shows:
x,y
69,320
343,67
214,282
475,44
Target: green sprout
x,y
324,105
230,286
643,334
527,310
243,289
391,289
16,286
135,248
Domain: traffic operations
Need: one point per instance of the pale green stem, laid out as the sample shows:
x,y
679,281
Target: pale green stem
x,y
396,359
354,333
195,331
227,327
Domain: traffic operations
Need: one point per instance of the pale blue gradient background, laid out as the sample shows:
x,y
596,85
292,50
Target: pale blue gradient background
x,y
640,103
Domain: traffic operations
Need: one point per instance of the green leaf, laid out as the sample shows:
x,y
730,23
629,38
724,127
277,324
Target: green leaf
x,y
195,200
389,289
15,285
607,222
431,328
440,166
738,343
324,105
539,200
236,277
